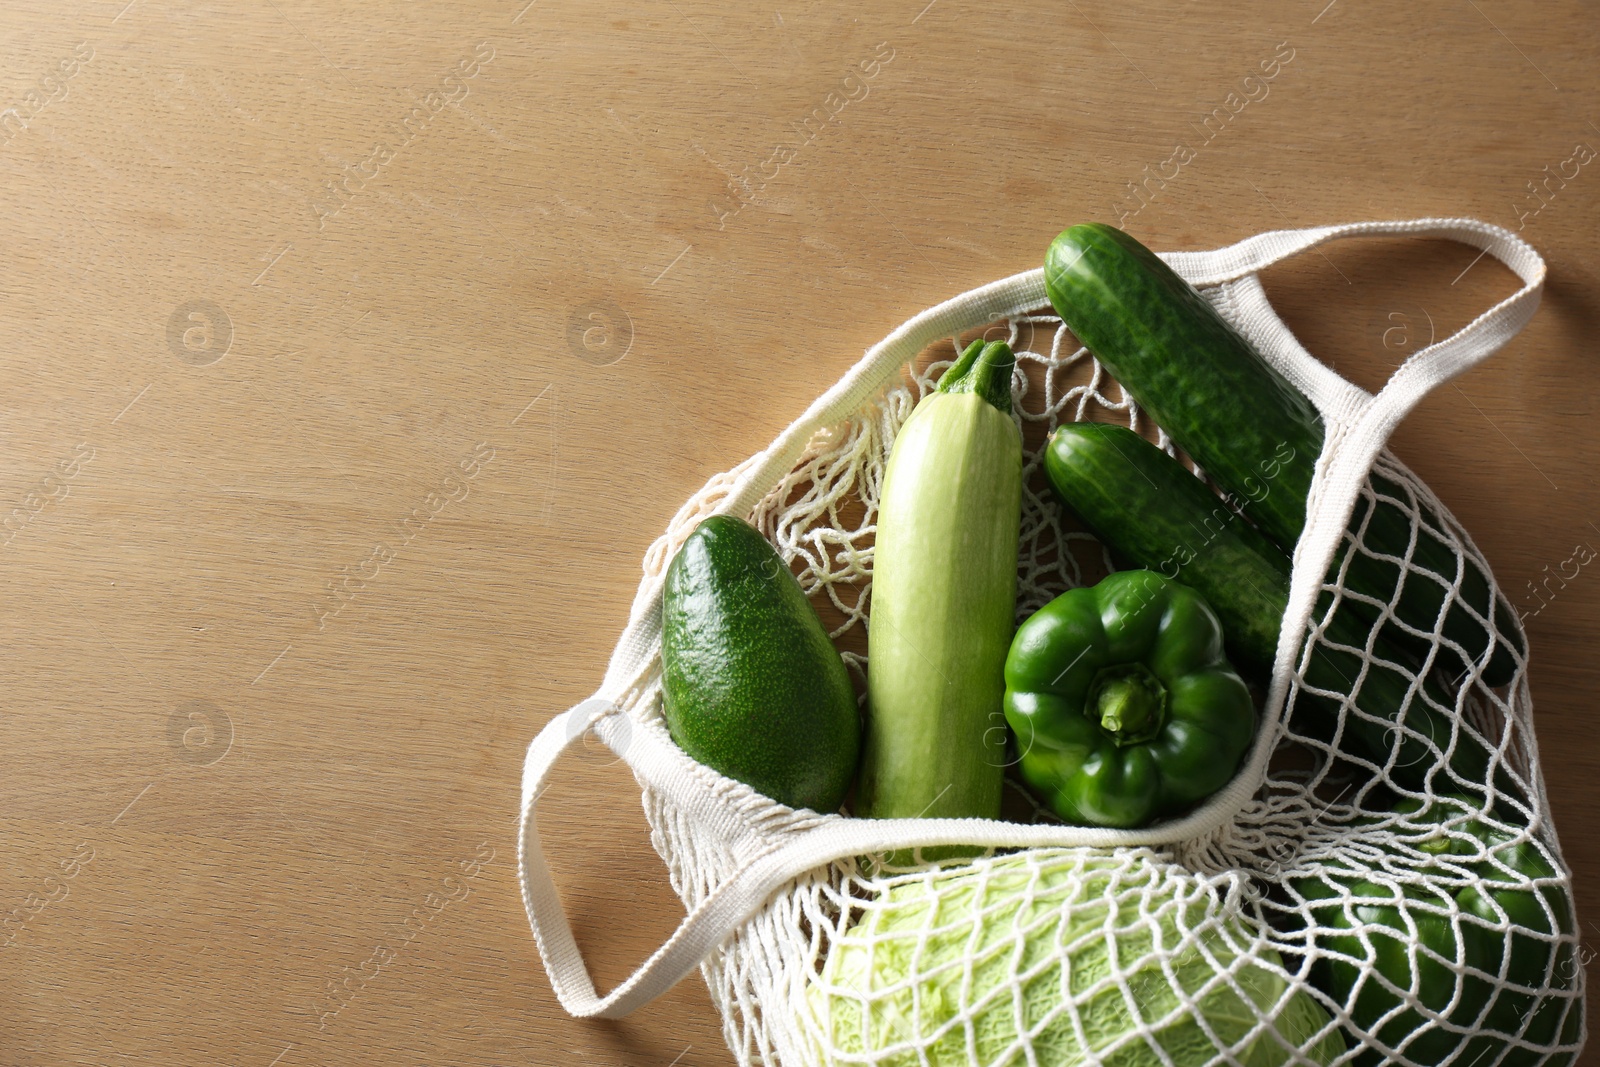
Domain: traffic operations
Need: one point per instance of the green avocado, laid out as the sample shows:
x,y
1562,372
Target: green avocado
x,y
752,686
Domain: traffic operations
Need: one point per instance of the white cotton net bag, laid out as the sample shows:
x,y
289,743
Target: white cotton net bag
x,y
1327,906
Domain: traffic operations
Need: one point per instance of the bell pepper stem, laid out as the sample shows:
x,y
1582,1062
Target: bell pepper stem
x,y
1124,705
1129,703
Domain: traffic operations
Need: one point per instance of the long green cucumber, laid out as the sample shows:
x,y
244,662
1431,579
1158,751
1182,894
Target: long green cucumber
x,y
1254,432
944,579
1151,511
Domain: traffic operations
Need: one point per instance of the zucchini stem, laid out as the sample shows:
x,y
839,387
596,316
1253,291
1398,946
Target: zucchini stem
x,y
961,368
984,369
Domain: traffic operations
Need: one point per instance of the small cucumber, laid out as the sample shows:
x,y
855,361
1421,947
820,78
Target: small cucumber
x,y
1149,510
751,685
1253,431
944,581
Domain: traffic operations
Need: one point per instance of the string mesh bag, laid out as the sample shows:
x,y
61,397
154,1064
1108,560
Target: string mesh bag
x,y
1336,902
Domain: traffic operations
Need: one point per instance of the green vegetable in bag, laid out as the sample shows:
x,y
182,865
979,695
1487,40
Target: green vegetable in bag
x,y
1123,706
944,595
751,685
966,969
1417,947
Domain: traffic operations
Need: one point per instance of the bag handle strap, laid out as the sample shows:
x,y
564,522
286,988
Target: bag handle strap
x,y
1253,254
1423,370
664,767
768,857
705,927
551,931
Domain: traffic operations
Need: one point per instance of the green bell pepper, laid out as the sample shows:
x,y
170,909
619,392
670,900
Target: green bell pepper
x,y
1416,950
1123,706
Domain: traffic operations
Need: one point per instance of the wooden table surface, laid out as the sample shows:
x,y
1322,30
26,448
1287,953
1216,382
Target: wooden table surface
x,y
497,285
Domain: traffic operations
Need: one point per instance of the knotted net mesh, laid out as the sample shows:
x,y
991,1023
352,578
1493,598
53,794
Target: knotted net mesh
x,y
1403,902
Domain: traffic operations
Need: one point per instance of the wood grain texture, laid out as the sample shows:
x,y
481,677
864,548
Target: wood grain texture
x,y
499,285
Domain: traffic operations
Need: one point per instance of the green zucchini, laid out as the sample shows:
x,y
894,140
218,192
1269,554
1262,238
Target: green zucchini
x,y
1255,433
944,578
1152,512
